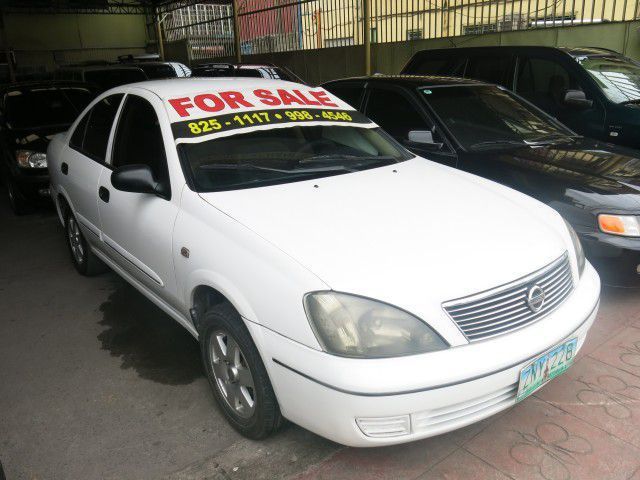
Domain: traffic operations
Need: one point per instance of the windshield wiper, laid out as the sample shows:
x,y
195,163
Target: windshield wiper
x,y
635,101
296,171
497,143
354,160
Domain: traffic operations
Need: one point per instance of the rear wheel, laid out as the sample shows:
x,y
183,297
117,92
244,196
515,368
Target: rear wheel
x,y
85,261
237,375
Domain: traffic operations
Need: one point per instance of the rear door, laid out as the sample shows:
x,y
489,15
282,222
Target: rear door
x,y
137,228
495,67
84,162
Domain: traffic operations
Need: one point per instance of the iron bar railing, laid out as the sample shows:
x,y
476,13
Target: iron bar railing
x,y
266,26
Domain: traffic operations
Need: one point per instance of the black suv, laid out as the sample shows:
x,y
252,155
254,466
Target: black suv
x,y
489,131
594,91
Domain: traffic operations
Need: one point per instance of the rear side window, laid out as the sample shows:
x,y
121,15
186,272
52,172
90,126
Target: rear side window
x,y
492,69
95,127
139,138
351,94
395,113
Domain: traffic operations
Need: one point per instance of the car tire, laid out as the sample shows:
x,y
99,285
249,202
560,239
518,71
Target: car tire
x,y
83,258
237,374
18,204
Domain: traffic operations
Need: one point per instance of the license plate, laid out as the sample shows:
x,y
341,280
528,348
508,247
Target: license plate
x,y
545,368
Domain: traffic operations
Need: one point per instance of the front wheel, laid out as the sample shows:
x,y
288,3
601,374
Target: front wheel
x,y
237,375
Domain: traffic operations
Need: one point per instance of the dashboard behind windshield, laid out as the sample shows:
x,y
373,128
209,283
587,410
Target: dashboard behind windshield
x,y
284,155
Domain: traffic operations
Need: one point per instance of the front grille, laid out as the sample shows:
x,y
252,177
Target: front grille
x,y
504,309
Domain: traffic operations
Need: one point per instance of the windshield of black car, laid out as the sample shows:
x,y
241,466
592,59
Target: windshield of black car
x,y
483,115
155,71
284,155
617,77
114,77
44,107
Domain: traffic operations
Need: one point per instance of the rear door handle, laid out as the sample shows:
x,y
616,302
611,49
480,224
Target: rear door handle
x,y
103,193
64,168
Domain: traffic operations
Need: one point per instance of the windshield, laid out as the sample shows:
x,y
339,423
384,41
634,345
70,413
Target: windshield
x,y
46,107
283,155
618,77
481,117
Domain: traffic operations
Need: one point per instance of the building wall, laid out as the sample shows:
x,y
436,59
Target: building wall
x,y
327,23
41,42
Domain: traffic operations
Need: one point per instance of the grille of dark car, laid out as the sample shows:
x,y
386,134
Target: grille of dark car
x,y
504,309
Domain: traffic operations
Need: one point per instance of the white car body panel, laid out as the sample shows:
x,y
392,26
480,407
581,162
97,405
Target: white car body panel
x,y
414,234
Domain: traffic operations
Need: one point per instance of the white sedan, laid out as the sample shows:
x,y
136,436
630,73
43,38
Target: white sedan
x,y
331,277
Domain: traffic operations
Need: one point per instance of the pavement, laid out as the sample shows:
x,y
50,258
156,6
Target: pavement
x,y
97,383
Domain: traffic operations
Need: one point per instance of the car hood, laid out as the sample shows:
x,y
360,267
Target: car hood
x,y
600,165
408,234
36,139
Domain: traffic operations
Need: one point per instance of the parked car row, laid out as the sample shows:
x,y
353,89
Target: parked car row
x,y
331,247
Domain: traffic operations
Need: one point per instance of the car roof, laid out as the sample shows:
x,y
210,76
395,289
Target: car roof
x,y
171,87
112,66
573,51
36,84
412,81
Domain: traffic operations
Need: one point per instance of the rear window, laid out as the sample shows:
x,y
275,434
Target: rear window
x,y
450,65
37,108
159,71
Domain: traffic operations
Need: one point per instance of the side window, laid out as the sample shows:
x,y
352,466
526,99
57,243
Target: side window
x,y
393,112
492,69
139,139
543,82
351,94
92,133
449,65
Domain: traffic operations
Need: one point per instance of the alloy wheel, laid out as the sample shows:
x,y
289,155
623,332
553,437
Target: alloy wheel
x,y
232,374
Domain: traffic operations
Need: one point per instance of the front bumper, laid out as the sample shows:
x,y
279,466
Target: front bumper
x,y
616,258
430,393
32,186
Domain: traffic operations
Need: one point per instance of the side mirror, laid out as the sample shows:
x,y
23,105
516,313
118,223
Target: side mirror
x,y
135,179
424,139
577,98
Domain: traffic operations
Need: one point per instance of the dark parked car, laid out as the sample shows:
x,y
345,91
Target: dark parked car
x,y
245,70
489,131
594,91
30,114
104,77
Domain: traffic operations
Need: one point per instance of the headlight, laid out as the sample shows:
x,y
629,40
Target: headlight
x,y
625,225
30,159
359,327
577,246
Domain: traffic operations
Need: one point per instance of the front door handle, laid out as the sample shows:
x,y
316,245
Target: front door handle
x,y
103,193
64,168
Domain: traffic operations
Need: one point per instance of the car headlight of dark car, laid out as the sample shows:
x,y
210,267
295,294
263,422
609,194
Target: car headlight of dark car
x,y
31,159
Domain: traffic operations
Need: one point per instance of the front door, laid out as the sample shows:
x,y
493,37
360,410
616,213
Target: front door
x,y
137,228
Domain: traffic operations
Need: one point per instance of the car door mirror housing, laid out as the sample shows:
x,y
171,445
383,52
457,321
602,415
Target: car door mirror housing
x,y
577,99
421,136
422,139
135,179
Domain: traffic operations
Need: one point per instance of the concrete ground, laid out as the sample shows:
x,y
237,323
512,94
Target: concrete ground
x,y
97,383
